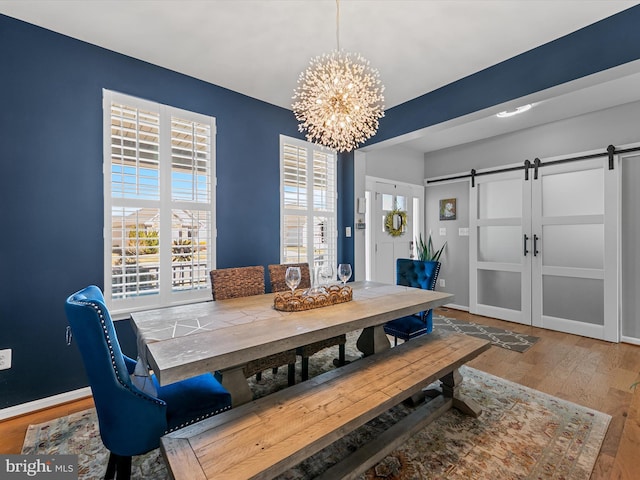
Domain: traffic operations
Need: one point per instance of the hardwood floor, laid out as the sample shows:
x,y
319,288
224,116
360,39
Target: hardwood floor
x,y
589,372
12,431
592,373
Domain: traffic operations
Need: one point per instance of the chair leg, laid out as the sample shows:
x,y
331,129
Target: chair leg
x,y
111,467
395,341
305,368
291,374
123,471
118,467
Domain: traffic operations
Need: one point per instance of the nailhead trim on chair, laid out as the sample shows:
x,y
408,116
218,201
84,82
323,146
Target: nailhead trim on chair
x,y
100,313
211,414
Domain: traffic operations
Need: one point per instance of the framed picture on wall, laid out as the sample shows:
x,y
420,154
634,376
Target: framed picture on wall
x,y
448,209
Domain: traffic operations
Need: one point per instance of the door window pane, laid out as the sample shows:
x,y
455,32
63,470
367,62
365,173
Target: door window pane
x,y
499,289
500,244
500,199
579,246
573,193
387,202
579,299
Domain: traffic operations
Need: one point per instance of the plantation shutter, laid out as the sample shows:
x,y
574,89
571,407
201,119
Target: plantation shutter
x,y
159,212
308,189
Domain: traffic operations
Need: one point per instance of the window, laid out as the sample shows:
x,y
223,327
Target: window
x,y
159,168
308,203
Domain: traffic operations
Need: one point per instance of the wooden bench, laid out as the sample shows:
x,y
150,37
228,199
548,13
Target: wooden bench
x,y
266,437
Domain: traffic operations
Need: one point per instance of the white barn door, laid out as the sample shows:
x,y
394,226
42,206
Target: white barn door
x,y
544,251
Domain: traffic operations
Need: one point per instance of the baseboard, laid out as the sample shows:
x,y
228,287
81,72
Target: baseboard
x,y
42,403
631,340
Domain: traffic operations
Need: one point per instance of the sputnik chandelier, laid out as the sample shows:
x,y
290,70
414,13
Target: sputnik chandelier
x,y
339,99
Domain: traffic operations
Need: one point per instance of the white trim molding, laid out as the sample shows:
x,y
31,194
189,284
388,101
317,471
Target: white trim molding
x,y
43,403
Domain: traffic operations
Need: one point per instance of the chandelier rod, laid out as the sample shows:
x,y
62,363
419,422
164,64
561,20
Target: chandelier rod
x,y
338,23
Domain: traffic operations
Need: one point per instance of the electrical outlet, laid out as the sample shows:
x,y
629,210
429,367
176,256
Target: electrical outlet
x,y
442,283
5,359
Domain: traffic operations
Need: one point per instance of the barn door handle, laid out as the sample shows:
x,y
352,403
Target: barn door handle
x,y
535,245
526,239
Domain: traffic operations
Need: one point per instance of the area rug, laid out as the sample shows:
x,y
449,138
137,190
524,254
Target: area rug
x,y
521,434
517,342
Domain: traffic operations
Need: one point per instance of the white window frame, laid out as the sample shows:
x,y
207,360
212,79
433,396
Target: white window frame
x,y
166,296
310,212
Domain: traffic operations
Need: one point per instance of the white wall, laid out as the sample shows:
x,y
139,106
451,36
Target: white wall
x,y
396,163
595,131
454,268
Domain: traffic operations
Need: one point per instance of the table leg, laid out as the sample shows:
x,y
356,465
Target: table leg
x,y
234,381
373,340
451,389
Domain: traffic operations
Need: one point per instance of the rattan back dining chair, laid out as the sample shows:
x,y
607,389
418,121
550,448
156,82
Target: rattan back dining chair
x,y
239,282
277,274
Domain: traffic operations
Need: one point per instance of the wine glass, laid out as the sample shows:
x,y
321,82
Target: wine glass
x,y
292,278
344,273
326,274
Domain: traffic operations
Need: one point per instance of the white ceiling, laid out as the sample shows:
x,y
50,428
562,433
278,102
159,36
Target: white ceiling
x,y
259,47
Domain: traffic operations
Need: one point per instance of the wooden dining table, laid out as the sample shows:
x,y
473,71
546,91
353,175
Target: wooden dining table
x,y
184,341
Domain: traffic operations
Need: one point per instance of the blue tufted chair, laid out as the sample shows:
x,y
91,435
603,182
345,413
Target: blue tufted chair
x,y
131,420
418,274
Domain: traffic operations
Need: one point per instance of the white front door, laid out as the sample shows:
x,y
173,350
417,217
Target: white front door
x,y
387,248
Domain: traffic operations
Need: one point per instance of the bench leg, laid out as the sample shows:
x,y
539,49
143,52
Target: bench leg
x,y
291,374
450,389
373,340
234,381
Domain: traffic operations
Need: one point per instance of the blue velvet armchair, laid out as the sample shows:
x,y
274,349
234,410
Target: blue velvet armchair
x,y
418,274
131,420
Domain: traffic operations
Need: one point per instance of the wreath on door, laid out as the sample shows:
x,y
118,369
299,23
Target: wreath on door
x,y
395,222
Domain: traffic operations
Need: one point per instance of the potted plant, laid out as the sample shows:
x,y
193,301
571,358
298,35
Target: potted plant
x,y
427,252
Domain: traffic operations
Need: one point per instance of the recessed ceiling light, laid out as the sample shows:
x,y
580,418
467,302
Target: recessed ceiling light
x,y
511,113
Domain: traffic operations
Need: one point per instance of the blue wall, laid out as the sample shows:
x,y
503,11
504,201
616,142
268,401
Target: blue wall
x,y
51,188
51,181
